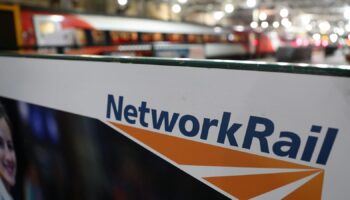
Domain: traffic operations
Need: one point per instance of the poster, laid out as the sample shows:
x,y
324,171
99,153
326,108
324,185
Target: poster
x,y
90,129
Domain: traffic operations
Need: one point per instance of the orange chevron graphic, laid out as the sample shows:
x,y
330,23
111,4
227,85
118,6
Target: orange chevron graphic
x,y
310,190
249,186
192,153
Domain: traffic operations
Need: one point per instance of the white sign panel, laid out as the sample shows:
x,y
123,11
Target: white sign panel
x,y
245,134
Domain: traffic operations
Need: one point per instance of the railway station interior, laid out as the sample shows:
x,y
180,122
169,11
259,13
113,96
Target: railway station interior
x,y
297,31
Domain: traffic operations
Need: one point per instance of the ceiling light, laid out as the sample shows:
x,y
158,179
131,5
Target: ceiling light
x,y
316,36
251,3
57,18
308,27
239,28
305,19
264,24
229,8
284,12
231,37
347,12
324,26
218,15
122,2
262,16
276,24
217,29
286,23
254,24
333,37
347,27
176,8
182,1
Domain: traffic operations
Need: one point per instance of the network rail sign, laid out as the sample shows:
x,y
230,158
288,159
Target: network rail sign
x,y
244,133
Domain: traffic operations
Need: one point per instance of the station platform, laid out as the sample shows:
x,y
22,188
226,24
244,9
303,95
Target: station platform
x,y
317,57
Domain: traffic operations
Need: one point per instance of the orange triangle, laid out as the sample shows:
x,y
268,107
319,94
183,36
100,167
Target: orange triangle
x,y
310,190
187,152
249,186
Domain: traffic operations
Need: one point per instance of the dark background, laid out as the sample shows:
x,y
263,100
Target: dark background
x,y
66,156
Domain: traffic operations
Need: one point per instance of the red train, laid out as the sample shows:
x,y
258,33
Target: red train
x,y
57,32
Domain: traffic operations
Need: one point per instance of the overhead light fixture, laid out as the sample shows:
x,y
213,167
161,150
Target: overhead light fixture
x,y
309,27
251,3
217,29
218,15
347,12
286,23
57,18
176,8
122,2
262,16
182,1
264,24
347,27
239,28
231,37
324,26
305,19
284,12
316,36
276,24
229,8
254,25
333,37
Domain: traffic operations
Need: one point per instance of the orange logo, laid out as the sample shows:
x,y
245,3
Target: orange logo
x,y
234,173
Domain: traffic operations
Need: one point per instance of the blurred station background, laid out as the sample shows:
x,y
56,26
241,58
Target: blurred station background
x,y
303,31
